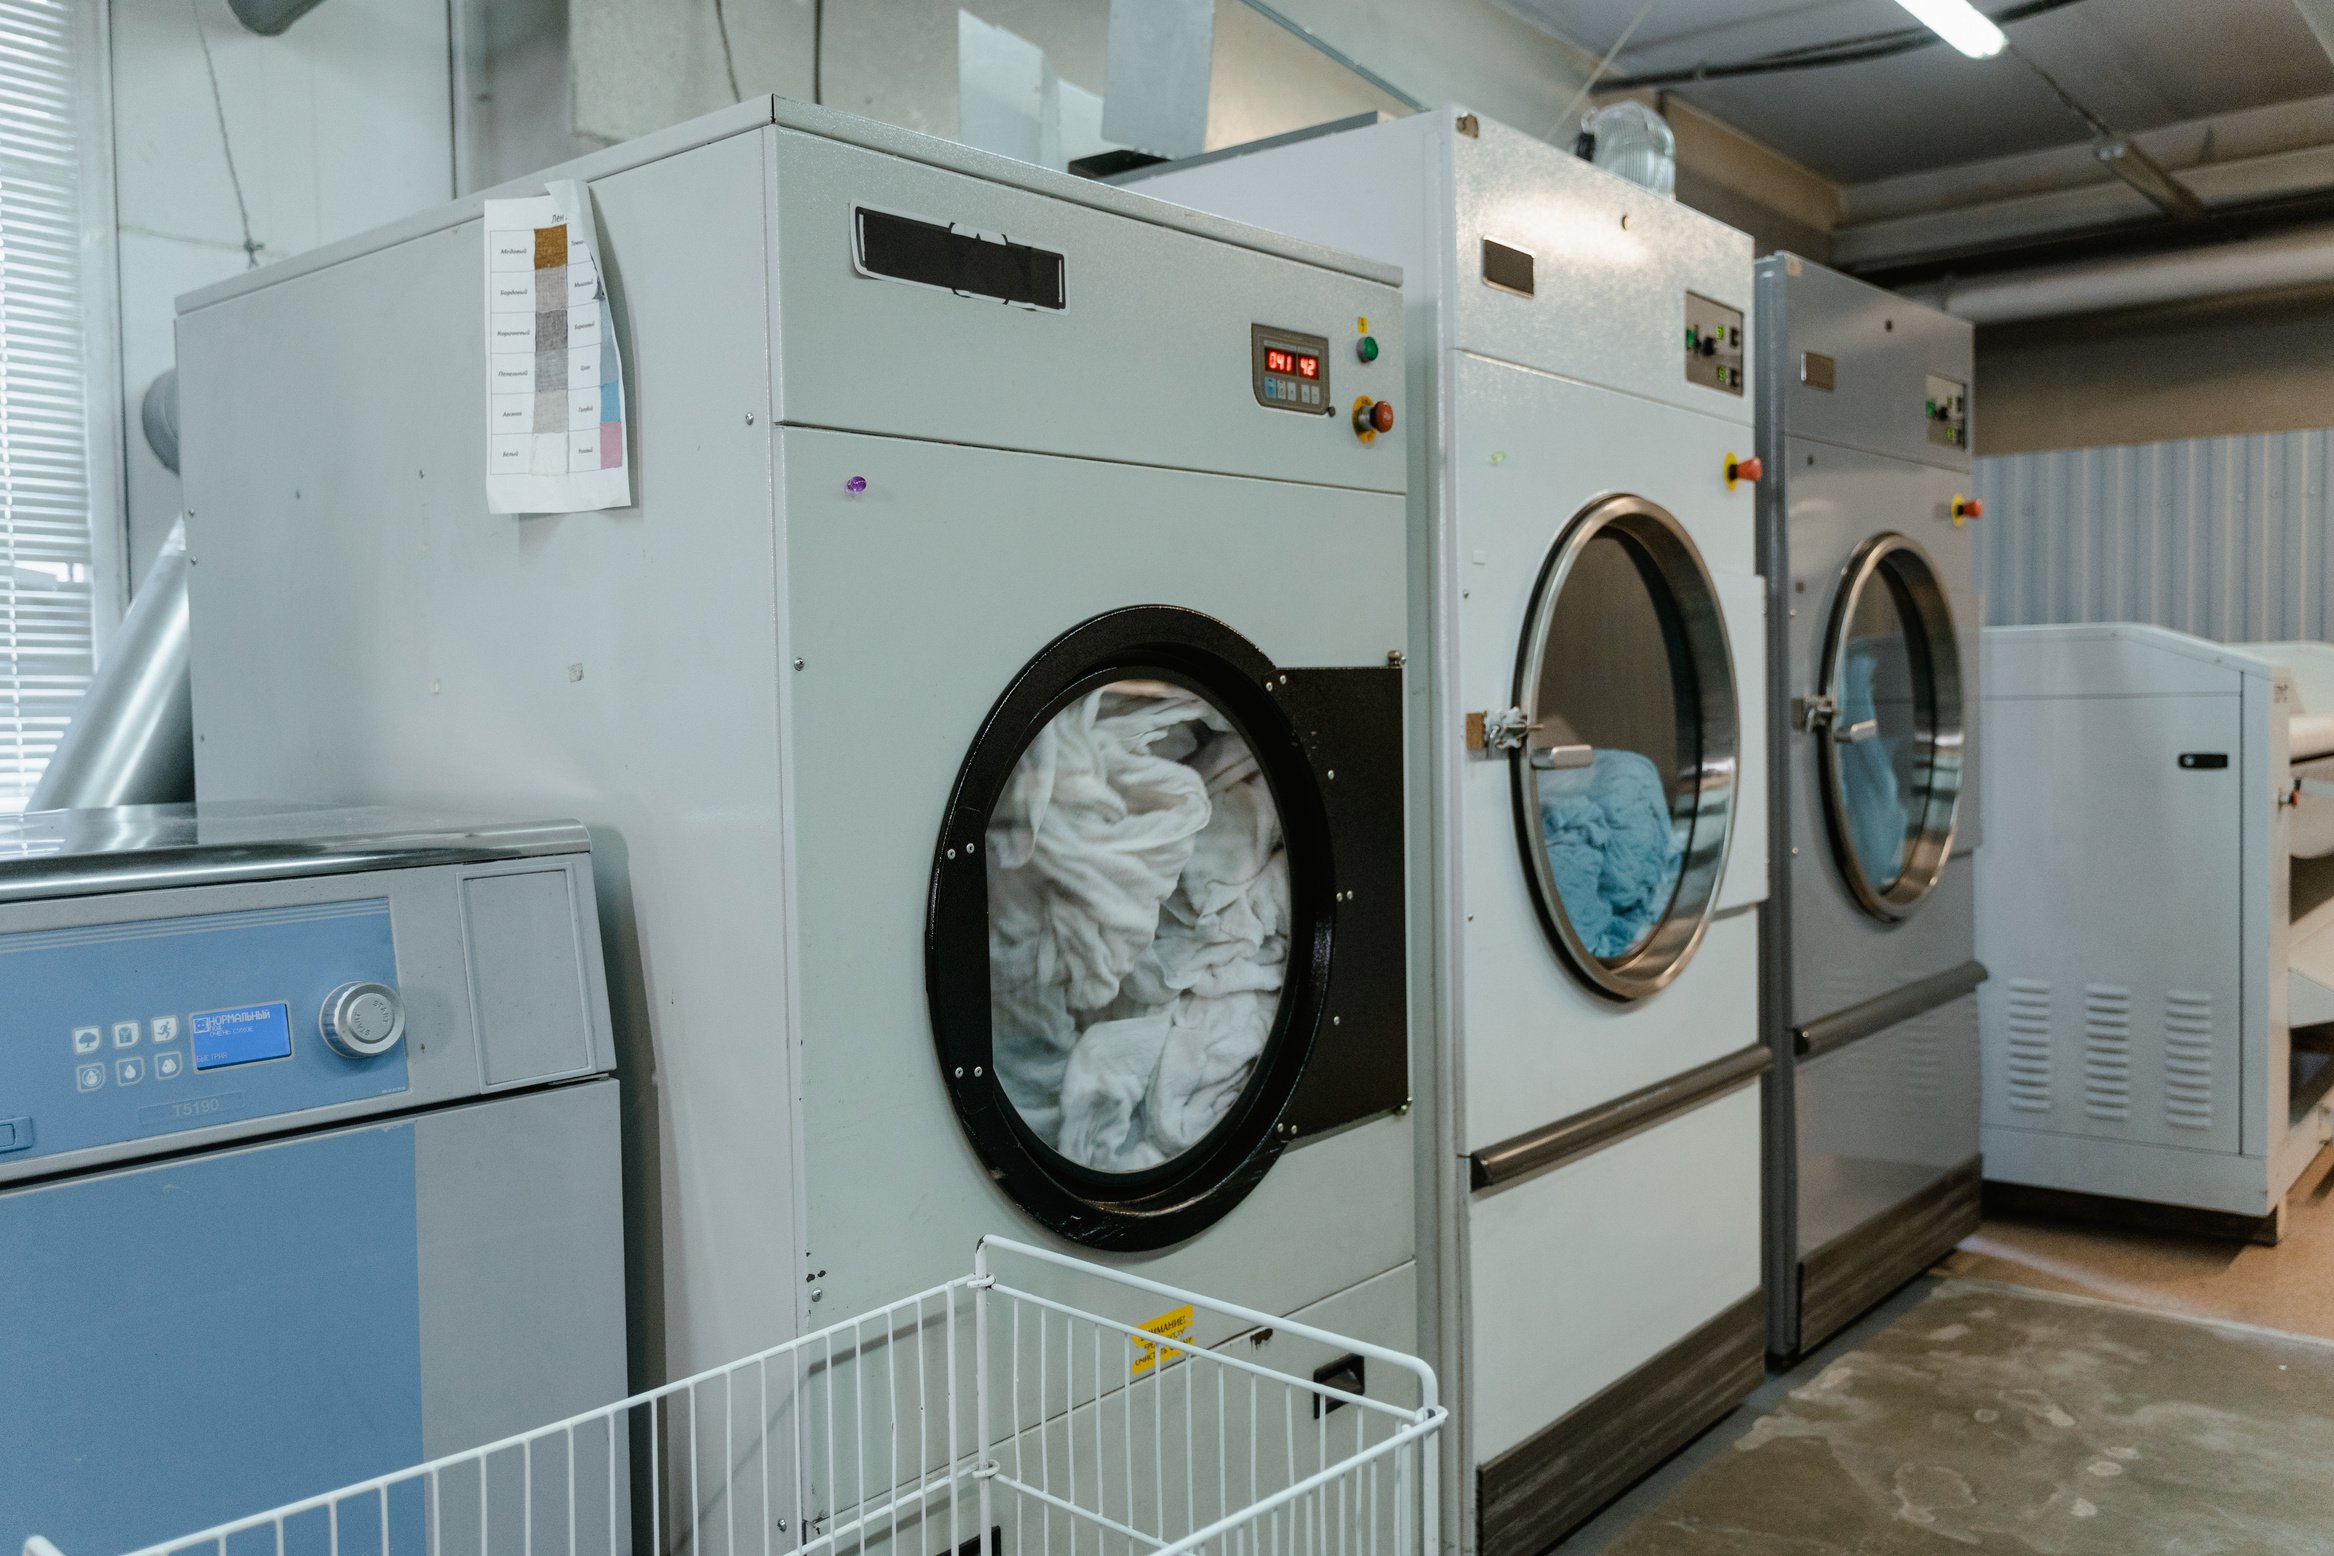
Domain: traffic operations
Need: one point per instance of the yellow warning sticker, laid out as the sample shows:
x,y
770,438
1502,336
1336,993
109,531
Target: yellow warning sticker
x,y
1175,1325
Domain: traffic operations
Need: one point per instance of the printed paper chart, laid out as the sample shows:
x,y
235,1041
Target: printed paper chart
x,y
555,384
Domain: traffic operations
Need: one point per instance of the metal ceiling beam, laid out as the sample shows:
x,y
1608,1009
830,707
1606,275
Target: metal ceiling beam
x,y
2252,157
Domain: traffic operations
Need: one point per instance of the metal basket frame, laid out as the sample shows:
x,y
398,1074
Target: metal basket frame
x,y
1315,1500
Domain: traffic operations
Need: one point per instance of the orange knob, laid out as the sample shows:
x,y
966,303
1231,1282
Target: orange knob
x,y
1743,469
1968,508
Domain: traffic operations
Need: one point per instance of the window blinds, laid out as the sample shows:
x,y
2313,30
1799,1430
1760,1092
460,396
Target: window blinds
x,y
45,542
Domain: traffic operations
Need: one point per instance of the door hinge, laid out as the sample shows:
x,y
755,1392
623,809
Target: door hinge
x,y
1813,713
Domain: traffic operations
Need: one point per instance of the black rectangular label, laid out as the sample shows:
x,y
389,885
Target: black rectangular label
x,y
2209,760
955,260
1509,269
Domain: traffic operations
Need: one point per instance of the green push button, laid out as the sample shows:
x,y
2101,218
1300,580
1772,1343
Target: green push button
x,y
1367,348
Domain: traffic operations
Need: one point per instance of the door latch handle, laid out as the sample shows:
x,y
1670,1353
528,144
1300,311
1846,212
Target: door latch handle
x,y
1856,733
1560,758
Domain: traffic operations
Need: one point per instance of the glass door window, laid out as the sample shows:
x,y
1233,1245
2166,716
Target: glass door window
x,y
1138,925
1889,717
1623,739
1135,914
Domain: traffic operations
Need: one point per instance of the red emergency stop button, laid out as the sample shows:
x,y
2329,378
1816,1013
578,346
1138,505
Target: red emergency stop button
x,y
1966,508
1743,470
1371,417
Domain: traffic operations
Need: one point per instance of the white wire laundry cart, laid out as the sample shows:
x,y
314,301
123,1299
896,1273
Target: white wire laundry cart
x,y
1078,1421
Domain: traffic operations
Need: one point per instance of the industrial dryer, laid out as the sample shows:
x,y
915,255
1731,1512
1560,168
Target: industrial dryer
x,y
1587,602
990,707
1869,1003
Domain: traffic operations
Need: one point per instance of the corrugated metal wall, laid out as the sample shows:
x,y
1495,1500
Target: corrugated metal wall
x,y
2227,538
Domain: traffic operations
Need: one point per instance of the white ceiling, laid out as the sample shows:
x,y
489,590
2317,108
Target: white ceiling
x,y
2135,63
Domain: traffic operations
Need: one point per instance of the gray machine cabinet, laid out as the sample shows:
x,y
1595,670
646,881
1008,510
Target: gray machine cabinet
x,y
862,508
246,1265
1872,1123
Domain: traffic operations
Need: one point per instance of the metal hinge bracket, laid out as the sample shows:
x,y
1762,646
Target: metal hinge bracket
x,y
1506,730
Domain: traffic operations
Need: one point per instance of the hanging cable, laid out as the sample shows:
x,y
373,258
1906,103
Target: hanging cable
x,y
1588,87
1839,51
728,59
226,143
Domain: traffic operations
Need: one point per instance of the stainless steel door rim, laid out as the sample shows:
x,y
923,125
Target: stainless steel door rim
x,y
1696,675
1897,564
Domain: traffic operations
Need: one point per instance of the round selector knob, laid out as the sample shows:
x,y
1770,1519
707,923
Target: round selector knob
x,y
363,1019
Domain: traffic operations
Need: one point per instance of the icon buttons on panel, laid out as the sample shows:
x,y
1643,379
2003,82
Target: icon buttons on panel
x,y
163,1029
128,1072
88,1077
167,1066
86,1039
125,1034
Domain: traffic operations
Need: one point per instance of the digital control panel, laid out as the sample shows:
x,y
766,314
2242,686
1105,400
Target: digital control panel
x,y
119,1032
1714,344
1289,370
1948,413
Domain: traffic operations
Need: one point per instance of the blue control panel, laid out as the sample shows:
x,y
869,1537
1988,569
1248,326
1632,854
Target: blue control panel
x,y
120,1032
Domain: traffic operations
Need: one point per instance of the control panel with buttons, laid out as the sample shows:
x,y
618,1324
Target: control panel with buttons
x,y
1289,370
122,1032
1948,413
1714,344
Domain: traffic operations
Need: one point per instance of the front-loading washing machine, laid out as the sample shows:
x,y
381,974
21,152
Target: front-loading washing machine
x,y
988,713
1593,727
1872,968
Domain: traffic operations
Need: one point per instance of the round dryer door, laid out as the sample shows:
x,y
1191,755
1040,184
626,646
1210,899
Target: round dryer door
x,y
1133,914
1888,719
1623,739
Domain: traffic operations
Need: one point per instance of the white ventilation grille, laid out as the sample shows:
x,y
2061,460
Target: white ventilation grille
x,y
2028,1065
2106,1051
2188,1059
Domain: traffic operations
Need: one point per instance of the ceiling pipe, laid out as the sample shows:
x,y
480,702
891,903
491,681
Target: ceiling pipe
x,y
2304,257
270,17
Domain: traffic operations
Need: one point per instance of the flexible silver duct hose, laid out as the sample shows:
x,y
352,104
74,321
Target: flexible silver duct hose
x,y
132,740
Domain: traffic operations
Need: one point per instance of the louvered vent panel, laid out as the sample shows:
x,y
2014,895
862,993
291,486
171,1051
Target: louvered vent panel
x,y
2028,1007
2188,1059
2106,1051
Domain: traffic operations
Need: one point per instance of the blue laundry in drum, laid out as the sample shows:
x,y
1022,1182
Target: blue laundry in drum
x,y
1613,847
1877,817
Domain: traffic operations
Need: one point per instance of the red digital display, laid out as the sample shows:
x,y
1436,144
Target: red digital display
x,y
1279,361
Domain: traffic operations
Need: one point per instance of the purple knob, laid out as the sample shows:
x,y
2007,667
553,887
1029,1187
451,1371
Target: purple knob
x,y
855,485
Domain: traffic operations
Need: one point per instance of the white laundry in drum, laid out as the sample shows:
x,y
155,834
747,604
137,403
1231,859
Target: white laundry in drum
x,y
1138,924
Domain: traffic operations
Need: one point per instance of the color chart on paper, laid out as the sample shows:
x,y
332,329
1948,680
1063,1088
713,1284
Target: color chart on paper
x,y
555,391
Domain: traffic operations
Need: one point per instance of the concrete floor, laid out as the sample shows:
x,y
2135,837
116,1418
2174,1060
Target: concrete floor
x,y
2064,1389
1996,1418
2289,1287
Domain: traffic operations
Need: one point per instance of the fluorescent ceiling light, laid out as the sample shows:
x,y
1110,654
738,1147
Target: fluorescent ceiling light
x,y
1961,24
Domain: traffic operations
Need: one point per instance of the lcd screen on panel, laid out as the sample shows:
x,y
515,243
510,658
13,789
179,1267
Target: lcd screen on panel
x,y
240,1036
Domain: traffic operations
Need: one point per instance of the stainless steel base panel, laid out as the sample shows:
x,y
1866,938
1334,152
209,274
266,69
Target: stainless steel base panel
x,y
1848,1275
1545,1487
